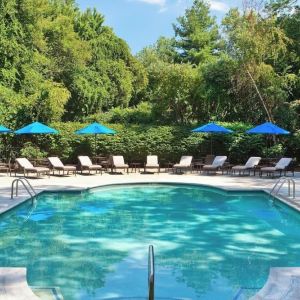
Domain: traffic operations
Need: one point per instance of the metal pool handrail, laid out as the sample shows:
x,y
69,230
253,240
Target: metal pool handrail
x,y
151,272
26,184
280,182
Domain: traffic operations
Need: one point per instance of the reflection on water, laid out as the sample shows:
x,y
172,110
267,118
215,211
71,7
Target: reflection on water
x,y
93,245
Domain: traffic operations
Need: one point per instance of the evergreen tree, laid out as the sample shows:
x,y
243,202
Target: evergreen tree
x,y
197,34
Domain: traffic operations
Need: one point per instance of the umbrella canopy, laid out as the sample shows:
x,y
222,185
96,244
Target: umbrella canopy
x,y
212,128
36,128
95,128
4,129
267,128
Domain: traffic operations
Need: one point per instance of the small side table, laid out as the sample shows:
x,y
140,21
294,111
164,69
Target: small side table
x,y
197,166
227,168
135,166
105,164
168,166
5,167
258,168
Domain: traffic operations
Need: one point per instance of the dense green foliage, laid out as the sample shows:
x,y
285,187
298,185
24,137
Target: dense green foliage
x,y
60,64
135,142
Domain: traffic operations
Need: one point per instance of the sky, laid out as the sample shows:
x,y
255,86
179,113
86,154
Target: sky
x,y
142,22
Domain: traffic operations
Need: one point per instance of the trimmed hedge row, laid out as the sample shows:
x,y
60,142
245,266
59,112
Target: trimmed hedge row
x,y
135,142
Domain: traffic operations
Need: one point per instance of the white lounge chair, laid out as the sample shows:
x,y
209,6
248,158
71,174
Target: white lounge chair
x,y
184,164
216,165
118,163
251,163
85,163
281,167
26,166
56,164
152,163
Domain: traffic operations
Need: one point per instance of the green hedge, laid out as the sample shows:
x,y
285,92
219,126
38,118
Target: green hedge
x,y
135,142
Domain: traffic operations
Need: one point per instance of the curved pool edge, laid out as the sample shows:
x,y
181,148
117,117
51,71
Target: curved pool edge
x,y
284,200
162,182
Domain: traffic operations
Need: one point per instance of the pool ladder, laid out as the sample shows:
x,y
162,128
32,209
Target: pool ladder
x,y
151,273
26,184
279,184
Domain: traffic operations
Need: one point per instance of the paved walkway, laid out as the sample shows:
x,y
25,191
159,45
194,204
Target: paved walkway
x,y
80,182
283,283
13,285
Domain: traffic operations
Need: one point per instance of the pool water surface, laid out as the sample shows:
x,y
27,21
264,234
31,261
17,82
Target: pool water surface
x,y
93,245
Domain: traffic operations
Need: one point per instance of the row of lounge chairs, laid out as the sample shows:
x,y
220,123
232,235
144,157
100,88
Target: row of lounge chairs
x,y
218,163
252,164
185,164
55,164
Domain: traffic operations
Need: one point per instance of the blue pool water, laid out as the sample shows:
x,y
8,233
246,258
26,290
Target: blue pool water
x,y
93,245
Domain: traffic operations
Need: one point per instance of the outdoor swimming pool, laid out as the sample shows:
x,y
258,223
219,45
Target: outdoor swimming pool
x,y
94,245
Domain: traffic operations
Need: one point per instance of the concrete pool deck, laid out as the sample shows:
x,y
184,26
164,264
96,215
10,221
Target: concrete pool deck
x,y
81,182
12,281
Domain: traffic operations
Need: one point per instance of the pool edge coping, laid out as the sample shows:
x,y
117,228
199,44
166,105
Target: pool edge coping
x,y
281,198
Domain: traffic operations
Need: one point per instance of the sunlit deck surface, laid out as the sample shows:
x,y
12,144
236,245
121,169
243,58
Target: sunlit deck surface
x,y
13,285
81,182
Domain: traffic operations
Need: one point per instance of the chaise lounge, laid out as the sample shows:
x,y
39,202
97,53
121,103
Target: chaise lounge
x,y
118,163
216,165
26,166
152,163
281,167
85,163
250,165
57,165
184,164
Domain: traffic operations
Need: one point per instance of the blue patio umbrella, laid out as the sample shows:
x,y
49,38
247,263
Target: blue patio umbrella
x,y
4,129
95,128
36,128
212,128
267,128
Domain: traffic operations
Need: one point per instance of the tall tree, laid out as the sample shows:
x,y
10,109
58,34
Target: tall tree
x,y
257,43
112,76
25,64
197,33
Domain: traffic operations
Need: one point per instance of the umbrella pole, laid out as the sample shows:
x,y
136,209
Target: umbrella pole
x,y
211,144
95,145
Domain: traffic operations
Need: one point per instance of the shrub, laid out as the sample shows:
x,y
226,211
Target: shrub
x,y
277,150
135,142
31,151
140,114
